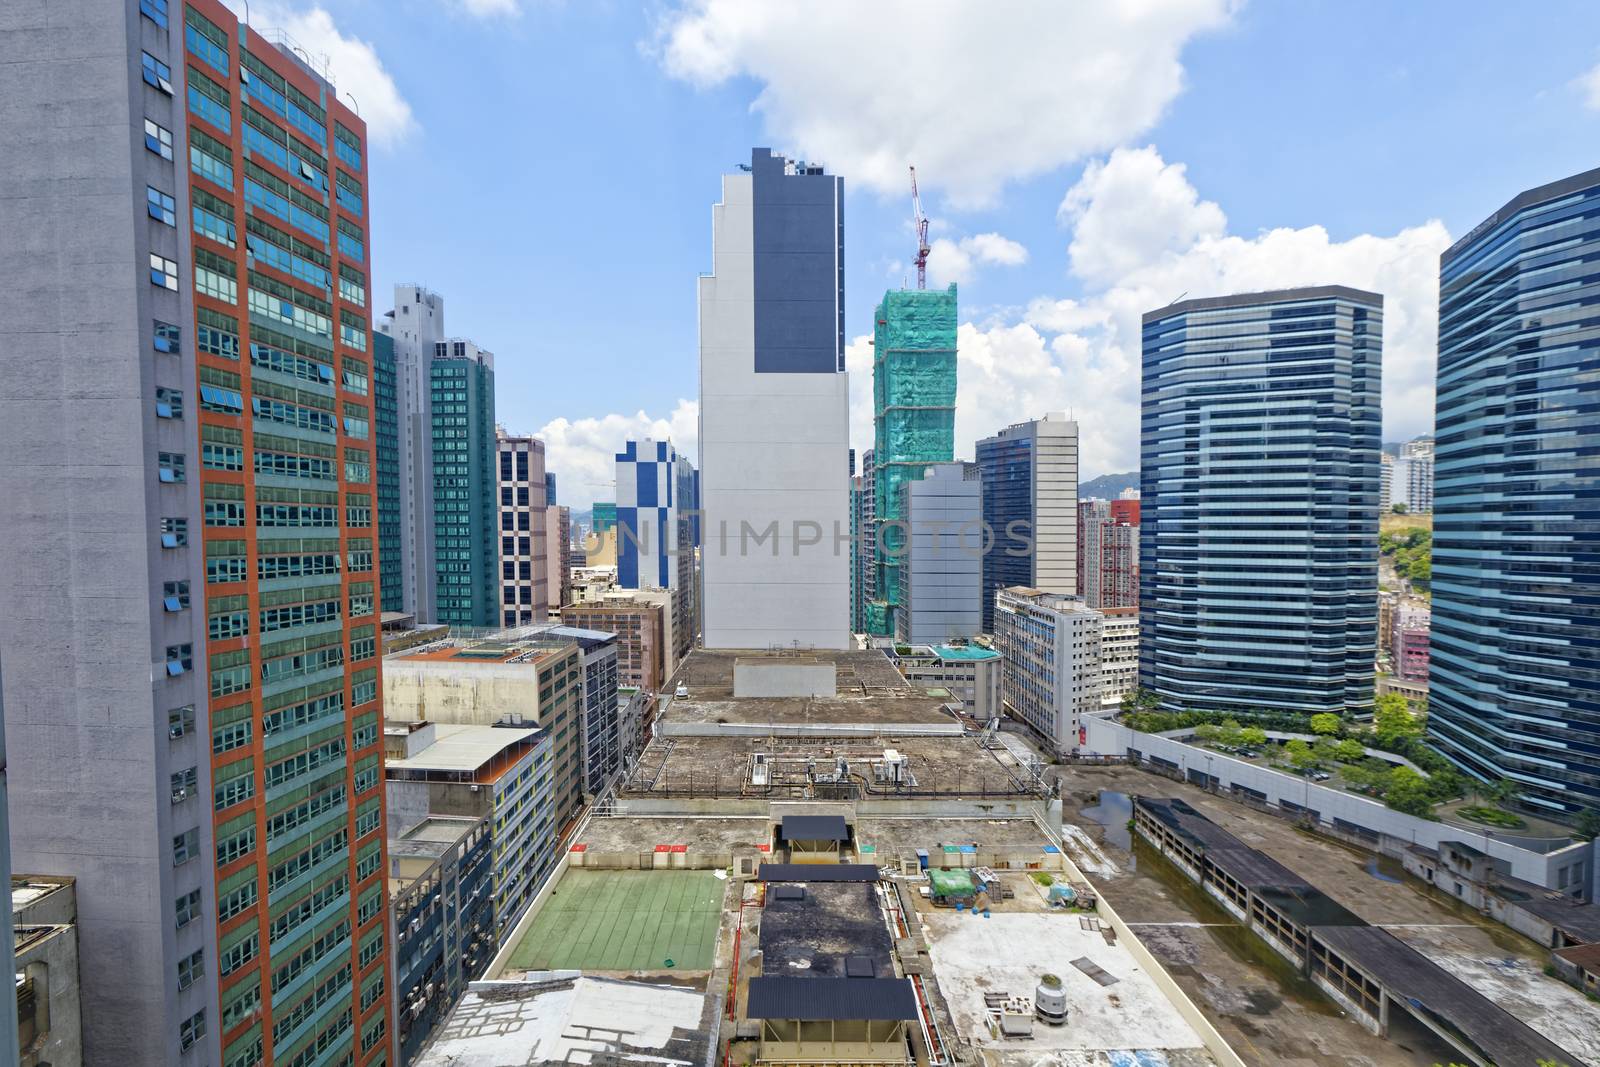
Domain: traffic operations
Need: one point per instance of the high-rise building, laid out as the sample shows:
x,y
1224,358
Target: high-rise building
x,y
1119,654
549,488
415,326
1050,677
466,467
867,536
1516,564
1419,482
187,570
598,731
654,540
913,423
1029,473
524,587
1259,496
1108,553
558,555
1386,483
941,556
386,473
774,411
1410,648
640,626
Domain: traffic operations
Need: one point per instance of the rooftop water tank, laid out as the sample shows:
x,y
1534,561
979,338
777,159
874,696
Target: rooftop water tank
x,y
1050,1001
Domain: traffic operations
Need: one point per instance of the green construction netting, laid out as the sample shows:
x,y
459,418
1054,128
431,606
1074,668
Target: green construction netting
x,y
914,415
956,883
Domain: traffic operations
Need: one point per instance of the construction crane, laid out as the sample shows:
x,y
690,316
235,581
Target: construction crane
x,y
920,221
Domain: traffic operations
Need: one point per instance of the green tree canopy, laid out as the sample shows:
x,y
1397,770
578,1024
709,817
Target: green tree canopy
x,y
1326,723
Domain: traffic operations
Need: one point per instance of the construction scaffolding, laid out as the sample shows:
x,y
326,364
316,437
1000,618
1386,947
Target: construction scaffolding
x,y
914,417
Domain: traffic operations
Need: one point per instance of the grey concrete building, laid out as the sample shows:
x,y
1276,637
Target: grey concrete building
x,y
941,575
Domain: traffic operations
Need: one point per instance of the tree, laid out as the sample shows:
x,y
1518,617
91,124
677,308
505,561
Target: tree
x,y
1254,736
1398,509
1207,732
1230,733
1349,750
1503,792
1407,791
1326,723
1299,754
1588,824
1444,784
1392,720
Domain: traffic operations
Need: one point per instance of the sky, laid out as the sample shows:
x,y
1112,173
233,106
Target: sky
x,y
549,166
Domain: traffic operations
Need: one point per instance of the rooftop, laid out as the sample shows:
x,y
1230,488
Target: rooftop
x,y
814,999
482,753
574,1020
815,929
964,652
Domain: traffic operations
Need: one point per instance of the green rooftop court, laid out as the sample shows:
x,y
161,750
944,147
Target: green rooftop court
x,y
625,921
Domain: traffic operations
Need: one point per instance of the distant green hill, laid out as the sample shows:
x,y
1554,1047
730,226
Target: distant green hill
x,y
1108,486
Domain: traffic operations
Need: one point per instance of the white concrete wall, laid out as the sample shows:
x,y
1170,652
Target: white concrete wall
x,y
784,678
774,448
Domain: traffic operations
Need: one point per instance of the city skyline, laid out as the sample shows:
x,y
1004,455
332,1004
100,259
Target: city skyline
x,y
1060,323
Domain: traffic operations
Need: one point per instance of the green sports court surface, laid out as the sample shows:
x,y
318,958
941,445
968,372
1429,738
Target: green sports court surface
x,y
625,921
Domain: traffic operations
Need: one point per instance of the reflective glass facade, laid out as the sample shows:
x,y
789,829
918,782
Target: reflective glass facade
x,y
1259,498
1516,548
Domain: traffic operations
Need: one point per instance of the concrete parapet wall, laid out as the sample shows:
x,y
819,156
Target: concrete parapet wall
x,y
1391,832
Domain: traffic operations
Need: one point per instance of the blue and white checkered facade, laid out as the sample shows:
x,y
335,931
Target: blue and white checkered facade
x,y
653,482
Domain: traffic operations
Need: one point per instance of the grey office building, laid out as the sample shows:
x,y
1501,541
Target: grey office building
x,y
941,571
1258,542
1515,657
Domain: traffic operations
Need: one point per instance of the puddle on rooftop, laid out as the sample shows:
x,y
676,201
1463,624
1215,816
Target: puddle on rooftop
x,y
1113,813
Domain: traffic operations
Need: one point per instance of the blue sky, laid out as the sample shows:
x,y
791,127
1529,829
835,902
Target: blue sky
x,y
549,167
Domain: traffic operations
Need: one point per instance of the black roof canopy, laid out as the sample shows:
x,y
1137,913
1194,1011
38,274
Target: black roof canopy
x,y
813,828
817,872
814,999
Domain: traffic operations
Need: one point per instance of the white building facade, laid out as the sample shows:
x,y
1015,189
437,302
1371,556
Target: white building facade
x,y
1051,649
416,323
524,586
1119,655
941,593
774,411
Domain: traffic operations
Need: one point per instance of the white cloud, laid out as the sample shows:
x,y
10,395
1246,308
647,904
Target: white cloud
x,y
353,63
582,453
1083,355
1133,209
492,8
957,261
975,95
1590,84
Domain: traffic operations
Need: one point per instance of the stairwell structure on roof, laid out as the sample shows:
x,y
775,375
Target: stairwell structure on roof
x,y
914,421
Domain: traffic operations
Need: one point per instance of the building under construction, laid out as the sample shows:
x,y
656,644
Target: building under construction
x,y
914,418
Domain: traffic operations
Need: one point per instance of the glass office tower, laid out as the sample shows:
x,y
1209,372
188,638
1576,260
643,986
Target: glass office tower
x,y
1516,509
1259,491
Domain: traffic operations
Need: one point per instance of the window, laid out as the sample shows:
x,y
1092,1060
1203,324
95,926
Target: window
x,y
192,1030
185,846
184,783
163,272
157,74
164,336
160,206
175,595
155,11
157,138
169,404
191,967
180,658
187,908
180,721
174,533
171,467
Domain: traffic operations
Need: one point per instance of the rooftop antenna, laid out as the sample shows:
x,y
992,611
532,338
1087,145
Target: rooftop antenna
x,y
1177,298
920,221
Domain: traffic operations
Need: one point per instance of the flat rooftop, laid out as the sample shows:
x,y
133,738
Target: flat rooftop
x,y
718,834
894,838
465,749
1128,1021
722,766
708,672
964,652
579,1020
816,929
624,921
